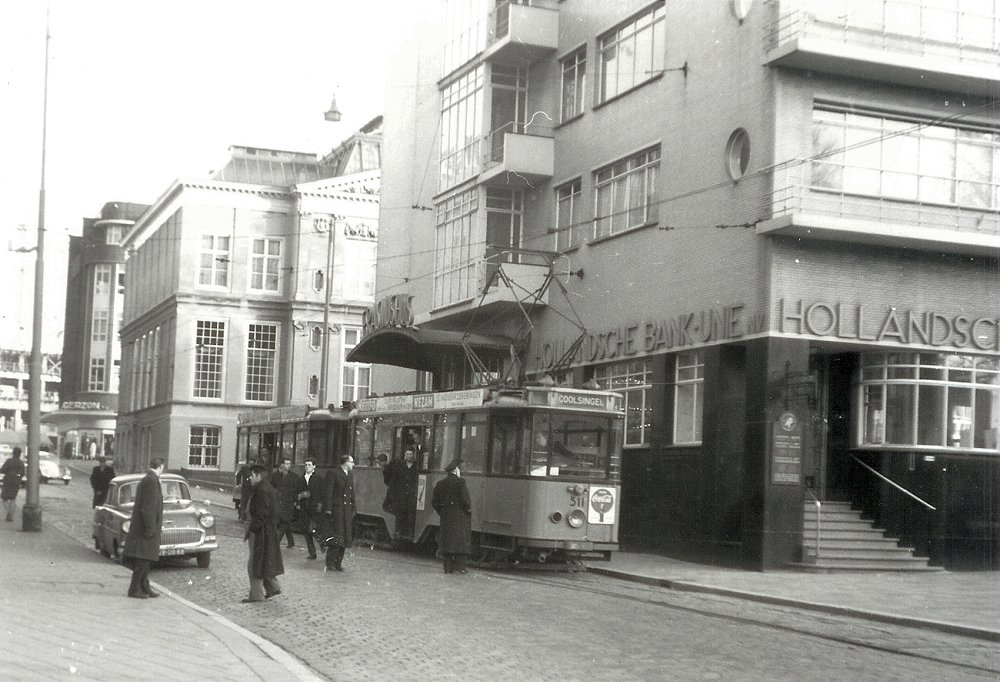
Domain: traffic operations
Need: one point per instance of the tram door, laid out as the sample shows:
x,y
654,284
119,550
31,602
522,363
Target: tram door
x,y
403,474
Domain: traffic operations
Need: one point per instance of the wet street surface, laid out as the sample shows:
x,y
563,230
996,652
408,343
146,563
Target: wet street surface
x,y
396,615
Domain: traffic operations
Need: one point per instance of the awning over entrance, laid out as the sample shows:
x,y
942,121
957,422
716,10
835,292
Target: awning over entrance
x,y
421,349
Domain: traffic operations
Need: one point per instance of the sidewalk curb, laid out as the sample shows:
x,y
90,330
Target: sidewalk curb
x,y
292,664
908,621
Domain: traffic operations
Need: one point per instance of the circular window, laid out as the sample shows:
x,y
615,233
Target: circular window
x,y
738,153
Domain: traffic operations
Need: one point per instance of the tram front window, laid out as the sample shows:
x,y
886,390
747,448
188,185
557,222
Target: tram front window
x,y
569,446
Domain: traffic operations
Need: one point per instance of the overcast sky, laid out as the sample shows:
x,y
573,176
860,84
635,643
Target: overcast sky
x,y
142,92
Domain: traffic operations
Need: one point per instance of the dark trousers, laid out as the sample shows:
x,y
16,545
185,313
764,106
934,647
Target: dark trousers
x,y
454,562
334,556
140,577
404,526
310,543
285,530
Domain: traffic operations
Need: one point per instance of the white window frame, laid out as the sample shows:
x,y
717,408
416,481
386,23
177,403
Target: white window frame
x,y
630,188
199,442
352,388
633,379
454,267
569,215
647,32
214,261
689,377
97,375
265,266
99,325
574,80
205,386
260,368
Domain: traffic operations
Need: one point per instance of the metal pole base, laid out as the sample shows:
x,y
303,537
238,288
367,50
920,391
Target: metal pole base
x,y
31,518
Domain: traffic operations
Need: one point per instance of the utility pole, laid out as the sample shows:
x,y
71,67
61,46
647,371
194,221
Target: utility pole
x,y
331,226
32,515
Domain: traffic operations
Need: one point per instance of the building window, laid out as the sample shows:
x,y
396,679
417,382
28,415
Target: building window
x,y
689,388
265,263
357,377
99,326
461,128
574,81
209,346
905,159
625,193
262,347
632,53
504,215
213,269
316,337
96,379
633,380
465,32
454,269
203,446
738,153
508,105
113,234
935,400
102,285
568,216
312,388
319,280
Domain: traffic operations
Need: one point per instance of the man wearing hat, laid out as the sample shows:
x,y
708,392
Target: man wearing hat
x,y
453,504
100,477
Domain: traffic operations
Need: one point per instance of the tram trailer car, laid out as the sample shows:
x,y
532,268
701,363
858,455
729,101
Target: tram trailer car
x,y
542,465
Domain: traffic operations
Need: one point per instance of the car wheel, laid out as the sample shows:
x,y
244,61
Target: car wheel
x,y
204,559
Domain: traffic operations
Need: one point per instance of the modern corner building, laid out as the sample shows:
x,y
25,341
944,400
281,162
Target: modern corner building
x,y
227,283
773,226
91,359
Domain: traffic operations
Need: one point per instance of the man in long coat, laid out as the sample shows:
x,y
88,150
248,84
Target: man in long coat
x,y
288,484
142,544
312,490
340,506
453,504
401,477
100,477
264,564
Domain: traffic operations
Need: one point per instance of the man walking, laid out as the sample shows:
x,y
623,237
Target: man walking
x,y
142,544
100,477
12,471
264,564
401,477
286,483
340,505
311,503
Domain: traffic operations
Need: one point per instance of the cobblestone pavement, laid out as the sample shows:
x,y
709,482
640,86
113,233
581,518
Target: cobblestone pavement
x,y
397,616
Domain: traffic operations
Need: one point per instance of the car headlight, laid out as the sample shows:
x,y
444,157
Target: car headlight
x,y
207,521
125,526
576,518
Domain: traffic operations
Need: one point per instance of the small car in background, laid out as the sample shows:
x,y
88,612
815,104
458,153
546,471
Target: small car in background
x,y
49,469
188,528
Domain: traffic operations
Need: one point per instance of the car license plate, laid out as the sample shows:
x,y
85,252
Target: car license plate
x,y
171,552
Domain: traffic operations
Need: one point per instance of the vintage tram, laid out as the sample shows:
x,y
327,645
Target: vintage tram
x,y
542,464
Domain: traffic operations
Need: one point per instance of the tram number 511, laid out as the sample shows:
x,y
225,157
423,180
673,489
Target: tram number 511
x,y
578,501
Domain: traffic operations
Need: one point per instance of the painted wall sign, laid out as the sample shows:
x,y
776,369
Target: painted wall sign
x,y
650,336
786,450
391,311
880,324
82,405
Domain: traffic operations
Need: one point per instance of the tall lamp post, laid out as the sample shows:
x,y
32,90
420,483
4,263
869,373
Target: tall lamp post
x,y
31,519
333,115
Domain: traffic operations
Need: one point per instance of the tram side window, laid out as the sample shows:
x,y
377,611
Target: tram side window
x,y
364,429
505,450
473,445
445,441
540,444
383,440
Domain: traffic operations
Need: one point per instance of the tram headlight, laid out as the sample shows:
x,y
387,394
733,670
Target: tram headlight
x,y
556,517
576,518
126,525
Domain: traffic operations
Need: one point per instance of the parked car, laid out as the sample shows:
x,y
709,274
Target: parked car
x,y
188,528
49,469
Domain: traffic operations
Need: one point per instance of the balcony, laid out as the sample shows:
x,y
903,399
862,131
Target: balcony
x,y
519,156
802,209
520,34
910,42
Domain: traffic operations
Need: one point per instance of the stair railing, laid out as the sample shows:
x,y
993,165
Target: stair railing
x,y
819,509
894,484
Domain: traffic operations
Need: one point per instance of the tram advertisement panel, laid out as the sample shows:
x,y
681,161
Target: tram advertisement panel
x,y
602,506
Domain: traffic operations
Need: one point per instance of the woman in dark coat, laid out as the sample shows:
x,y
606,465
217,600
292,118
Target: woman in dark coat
x,y
12,470
264,564
339,531
142,544
453,504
